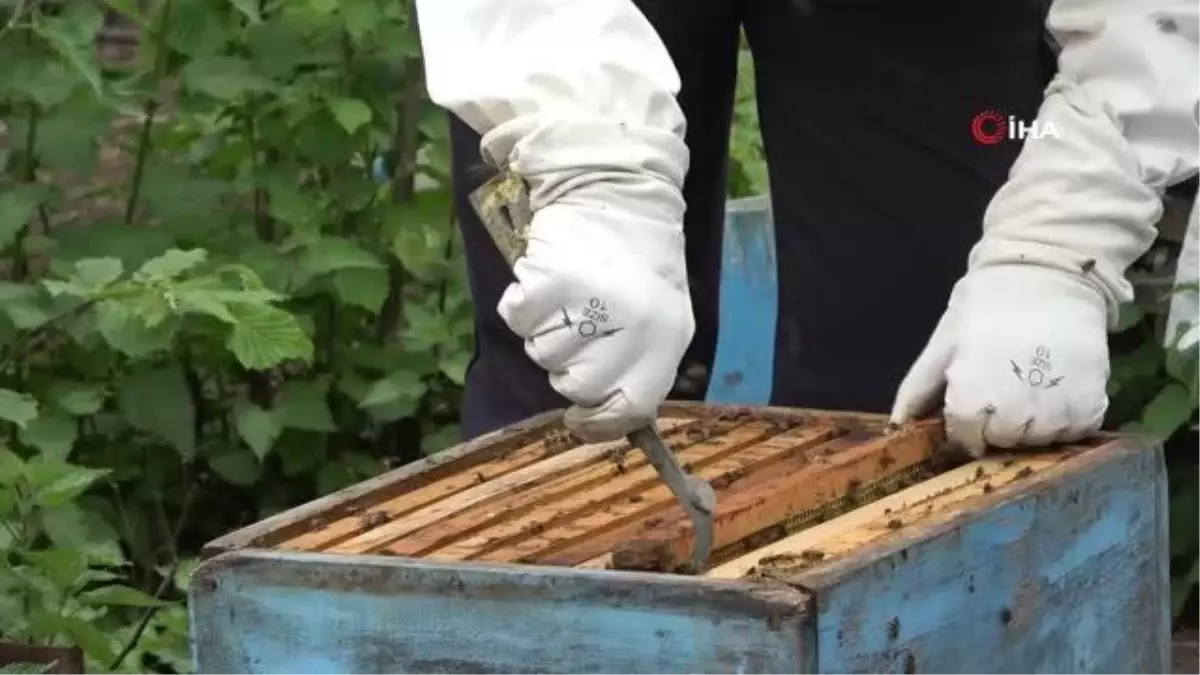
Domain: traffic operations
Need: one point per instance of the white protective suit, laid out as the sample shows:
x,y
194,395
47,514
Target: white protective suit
x,y
578,97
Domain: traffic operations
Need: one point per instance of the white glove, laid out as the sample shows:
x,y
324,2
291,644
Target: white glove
x,y
578,98
1022,355
601,296
1021,350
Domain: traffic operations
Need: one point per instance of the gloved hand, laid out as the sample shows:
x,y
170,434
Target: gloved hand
x,y
579,99
601,295
1021,348
1022,356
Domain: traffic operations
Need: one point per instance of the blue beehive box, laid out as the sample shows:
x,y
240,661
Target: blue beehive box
x,y
841,547
1050,561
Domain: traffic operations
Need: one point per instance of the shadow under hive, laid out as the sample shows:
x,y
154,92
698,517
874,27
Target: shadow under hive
x,y
537,495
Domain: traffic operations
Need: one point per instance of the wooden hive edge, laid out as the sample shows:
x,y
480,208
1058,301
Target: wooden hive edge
x,y
398,576
354,499
825,570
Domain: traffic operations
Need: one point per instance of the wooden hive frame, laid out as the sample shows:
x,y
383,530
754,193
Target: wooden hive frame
x,y
532,494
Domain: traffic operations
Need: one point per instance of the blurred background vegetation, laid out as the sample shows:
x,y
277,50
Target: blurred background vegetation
x,y
214,305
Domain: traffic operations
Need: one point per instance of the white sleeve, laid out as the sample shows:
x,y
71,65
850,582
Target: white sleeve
x,y
1118,125
573,85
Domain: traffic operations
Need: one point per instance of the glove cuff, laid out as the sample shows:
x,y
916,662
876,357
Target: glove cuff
x,y
1099,275
558,156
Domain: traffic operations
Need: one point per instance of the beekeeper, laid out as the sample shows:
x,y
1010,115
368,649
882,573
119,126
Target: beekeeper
x,y
616,113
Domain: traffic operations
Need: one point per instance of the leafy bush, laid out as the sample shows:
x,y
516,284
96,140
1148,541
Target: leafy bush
x,y
213,309
1155,391
214,304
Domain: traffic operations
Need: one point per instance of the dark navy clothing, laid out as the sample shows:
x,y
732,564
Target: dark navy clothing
x,y
878,185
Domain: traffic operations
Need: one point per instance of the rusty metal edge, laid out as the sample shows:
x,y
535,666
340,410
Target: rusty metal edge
x,y
395,575
827,575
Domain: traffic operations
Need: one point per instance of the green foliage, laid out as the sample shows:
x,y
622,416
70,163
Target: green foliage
x,y
1155,390
747,160
210,309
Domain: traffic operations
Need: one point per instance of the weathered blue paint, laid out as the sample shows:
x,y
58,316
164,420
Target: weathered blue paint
x,y
1062,572
1068,577
742,369
265,612
1068,574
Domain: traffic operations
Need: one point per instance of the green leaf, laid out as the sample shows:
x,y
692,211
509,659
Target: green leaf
x,y
441,439
131,244
1129,315
47,81
126,332
24,305
351,113
266,336
94,641
397,41
123,596
455,366
365,288
421,247
17,206
157,401
427,326
209,303
63,567
360,17
302,405
72,35
96,273
249,9
300,453
323,7
68,136
222,77
77,399
258,428
237,465
199,28
53,435
331,254
348,469
183,574
58,483
294,205
319,139
18,408
184,199
1169,410
12,469
403,386
77,527
172,264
